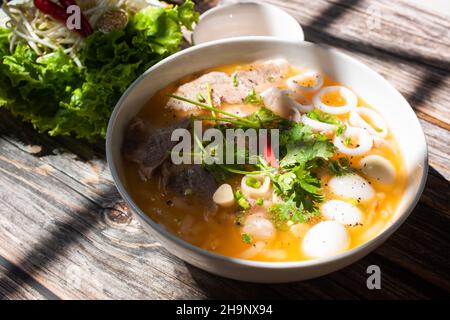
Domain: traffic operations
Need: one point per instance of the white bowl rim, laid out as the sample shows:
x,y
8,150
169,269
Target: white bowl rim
x,y
269,6
253,263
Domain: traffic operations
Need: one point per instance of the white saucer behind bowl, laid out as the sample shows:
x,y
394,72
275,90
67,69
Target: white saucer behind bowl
x,y
365,82
246,18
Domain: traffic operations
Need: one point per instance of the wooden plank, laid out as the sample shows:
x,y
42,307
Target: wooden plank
x,y
376,24
438,141
14,286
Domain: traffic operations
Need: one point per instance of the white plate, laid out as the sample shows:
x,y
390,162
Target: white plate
x,y
246,19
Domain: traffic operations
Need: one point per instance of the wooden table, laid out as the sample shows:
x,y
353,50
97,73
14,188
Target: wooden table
x,y
65,233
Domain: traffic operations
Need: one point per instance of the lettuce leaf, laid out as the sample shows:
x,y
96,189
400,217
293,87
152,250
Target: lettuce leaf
x,y
59,98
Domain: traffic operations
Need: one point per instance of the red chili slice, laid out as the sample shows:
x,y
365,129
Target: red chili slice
x,y
85,25
59,13
52,9
270,156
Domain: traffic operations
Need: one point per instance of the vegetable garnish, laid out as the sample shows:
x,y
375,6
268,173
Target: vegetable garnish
x,y
72,89
200,97
241,201
289,211
261,119
232,118
210,99
59,13
340,167
347,141
253,182
254,98
235,81
247,238
340,129
318,115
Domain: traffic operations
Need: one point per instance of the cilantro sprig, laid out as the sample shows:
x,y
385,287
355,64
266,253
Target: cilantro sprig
x,y
296,182
340,167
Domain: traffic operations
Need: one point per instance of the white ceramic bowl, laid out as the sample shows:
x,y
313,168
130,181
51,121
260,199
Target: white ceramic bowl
x,y
246,18
365,82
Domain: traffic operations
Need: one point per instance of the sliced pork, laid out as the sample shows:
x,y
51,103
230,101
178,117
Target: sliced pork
x,y
229,89
149,147
222,87
187,180
261,76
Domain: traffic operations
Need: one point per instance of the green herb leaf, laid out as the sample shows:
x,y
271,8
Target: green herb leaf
x,y
340,129
235,81
242,202
254,98
252,182
323,117
340,167
303,146
265,118
200,97
247,238
348,141
286,211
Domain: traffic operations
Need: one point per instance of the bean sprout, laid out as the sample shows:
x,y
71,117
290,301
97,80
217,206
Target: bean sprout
x,y
45,35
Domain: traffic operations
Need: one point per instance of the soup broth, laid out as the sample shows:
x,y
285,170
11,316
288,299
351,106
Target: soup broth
x,y
375,176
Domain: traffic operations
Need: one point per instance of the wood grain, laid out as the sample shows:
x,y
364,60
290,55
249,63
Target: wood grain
x,y
63,226
12,285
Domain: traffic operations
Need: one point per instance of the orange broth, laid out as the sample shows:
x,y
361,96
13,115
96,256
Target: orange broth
x,y
219,232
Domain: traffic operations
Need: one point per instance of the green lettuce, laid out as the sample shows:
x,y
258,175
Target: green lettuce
x,y
60,98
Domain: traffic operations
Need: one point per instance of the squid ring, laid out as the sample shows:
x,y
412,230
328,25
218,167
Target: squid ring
x,y
297,101
294,82
350,99
318,126
365,142
379,126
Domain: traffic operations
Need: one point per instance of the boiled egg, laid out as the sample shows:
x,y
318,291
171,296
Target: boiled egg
x,y
342,212
325,239
378,168
351,186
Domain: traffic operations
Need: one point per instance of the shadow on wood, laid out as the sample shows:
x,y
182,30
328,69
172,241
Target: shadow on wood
x,y
63,236
13,127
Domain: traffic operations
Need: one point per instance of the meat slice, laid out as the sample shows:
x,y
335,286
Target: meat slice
x,y
149,147
229,90
188,180
222,87
263,75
